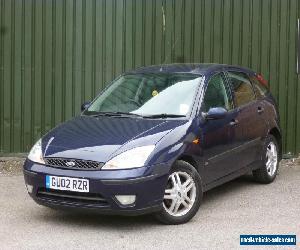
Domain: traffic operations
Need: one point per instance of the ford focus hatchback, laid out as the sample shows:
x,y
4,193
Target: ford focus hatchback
x,y
157,138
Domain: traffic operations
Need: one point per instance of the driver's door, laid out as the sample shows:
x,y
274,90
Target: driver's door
x,y
218,134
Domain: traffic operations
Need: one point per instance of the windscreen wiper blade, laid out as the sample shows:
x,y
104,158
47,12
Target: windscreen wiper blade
x,y
96,114
114,114
126,113
163,116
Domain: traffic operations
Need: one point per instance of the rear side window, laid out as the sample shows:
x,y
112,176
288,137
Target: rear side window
x,y
259,88
242,88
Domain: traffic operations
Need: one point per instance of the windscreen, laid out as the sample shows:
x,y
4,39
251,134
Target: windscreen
x,y
149,94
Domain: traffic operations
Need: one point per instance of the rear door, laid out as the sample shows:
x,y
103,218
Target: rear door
x,y
250,126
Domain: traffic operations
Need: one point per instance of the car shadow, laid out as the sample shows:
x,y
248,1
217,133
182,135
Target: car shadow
x,y
92,219
230,187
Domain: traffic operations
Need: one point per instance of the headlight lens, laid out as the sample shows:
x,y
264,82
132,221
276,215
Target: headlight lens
x,y
133,158
36,154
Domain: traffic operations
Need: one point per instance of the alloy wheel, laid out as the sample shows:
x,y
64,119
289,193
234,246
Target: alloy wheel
x,y
180,194
272,158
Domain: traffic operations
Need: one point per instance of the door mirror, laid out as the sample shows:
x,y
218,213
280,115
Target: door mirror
x,y
215,113
85,105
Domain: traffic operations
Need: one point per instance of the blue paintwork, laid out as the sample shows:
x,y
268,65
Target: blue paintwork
x,y
223,149
100,138
216,113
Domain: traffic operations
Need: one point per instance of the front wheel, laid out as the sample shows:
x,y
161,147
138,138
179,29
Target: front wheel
x,y
183,195
268,171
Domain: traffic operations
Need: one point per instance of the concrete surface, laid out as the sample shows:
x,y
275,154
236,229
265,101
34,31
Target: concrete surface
x,y
238,207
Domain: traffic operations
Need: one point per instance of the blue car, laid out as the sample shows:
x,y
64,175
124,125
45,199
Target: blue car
x,y
156,139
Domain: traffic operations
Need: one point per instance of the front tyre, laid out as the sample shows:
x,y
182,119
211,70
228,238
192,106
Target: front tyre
x,y
183,195
268,171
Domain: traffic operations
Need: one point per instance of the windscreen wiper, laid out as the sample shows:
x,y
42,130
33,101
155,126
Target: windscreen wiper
x,y
126,113
115,114
163,116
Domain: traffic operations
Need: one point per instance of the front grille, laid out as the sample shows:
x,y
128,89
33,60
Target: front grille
x,y
71,198
73,163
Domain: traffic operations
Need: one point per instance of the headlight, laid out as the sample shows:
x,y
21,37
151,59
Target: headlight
x,y
133,158
36,154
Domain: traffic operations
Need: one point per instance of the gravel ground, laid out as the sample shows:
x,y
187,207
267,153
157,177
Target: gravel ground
x,y
238,207
11,165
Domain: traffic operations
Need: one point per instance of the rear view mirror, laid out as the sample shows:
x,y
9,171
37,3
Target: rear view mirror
x,y
85,105
215,113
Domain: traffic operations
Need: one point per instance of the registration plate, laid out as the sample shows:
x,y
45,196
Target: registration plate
x,y
67,183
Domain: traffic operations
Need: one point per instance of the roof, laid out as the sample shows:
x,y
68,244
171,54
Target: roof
x,y
193,68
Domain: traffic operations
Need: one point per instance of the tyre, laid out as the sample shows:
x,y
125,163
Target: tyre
x,y
183,195
268,171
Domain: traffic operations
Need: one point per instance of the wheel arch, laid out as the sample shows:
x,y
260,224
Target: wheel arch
x,y
189,159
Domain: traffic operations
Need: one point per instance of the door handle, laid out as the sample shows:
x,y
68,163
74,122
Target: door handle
x,y
260,110
233,122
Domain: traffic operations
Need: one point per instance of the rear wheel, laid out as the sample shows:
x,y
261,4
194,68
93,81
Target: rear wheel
x,y
183,195
267,173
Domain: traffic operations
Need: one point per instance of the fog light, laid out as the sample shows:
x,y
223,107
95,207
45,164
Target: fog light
x,y
126,199
29,188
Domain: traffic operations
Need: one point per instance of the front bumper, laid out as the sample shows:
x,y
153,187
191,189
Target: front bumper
x,y
147,184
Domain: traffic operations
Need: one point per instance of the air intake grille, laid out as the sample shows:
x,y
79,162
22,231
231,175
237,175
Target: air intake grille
x,y
72,198
73,163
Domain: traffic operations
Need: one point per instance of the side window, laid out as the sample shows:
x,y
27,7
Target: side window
x,y
242,88
216,94
260,89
